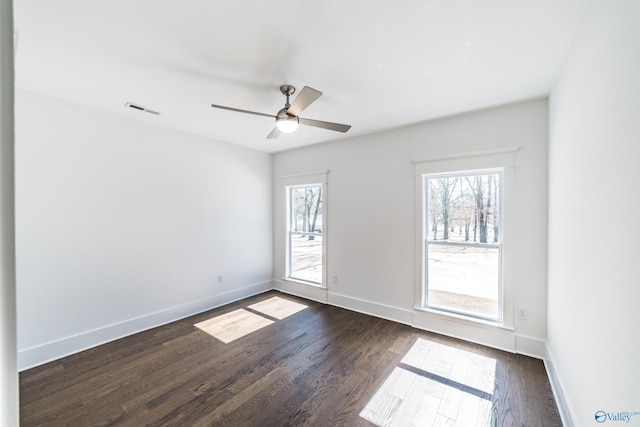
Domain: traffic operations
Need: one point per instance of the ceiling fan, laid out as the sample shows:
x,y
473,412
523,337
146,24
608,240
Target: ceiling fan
x,y
287,119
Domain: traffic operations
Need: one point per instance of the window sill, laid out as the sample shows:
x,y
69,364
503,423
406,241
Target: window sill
x,y
302,282
466,320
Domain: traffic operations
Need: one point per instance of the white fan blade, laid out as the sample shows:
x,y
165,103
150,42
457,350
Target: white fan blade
x,y
274,133
325,125
305,98
242,111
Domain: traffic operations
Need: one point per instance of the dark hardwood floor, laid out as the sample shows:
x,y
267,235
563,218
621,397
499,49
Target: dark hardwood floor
x,y
317,367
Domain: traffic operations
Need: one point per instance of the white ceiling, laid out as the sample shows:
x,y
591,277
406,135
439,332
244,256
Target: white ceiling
x,y
380,64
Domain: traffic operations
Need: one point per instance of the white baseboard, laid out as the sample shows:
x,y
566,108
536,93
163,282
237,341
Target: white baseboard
x,y
531,347
325,296
489,335
482,334
372,308
467,330
47,352
302,290
557,389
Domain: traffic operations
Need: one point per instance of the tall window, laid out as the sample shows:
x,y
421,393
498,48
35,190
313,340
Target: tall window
x,y
463,245
305,246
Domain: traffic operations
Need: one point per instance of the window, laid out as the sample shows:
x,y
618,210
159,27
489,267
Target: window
x,y
462,232
305,252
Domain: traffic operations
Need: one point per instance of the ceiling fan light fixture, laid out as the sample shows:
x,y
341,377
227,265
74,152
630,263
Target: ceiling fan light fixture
x,y
288,118
286,123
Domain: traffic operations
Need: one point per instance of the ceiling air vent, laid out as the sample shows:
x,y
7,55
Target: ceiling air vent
x,y
141,108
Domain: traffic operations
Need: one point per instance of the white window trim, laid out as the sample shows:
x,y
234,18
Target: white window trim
x,y
301,180
502,158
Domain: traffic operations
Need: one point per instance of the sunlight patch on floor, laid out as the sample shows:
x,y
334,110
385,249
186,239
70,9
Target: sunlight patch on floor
x,y
435,384
277,307
233,325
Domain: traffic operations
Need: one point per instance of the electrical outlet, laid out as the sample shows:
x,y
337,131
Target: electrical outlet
x,y
334,279
220,279
523,313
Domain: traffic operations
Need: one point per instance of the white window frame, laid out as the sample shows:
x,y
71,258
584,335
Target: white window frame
x,y
428,242
497,159
301,181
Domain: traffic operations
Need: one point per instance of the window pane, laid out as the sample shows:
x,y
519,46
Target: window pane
x,y
463,241
306,258
306,209
464,278
464,208
305,233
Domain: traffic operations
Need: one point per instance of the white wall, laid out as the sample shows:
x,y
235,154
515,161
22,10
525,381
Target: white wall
x,y
123,225
594,203
371,216
8,374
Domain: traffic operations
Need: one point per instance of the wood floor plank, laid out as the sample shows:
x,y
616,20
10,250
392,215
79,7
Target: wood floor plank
x,y
277,307
316,366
